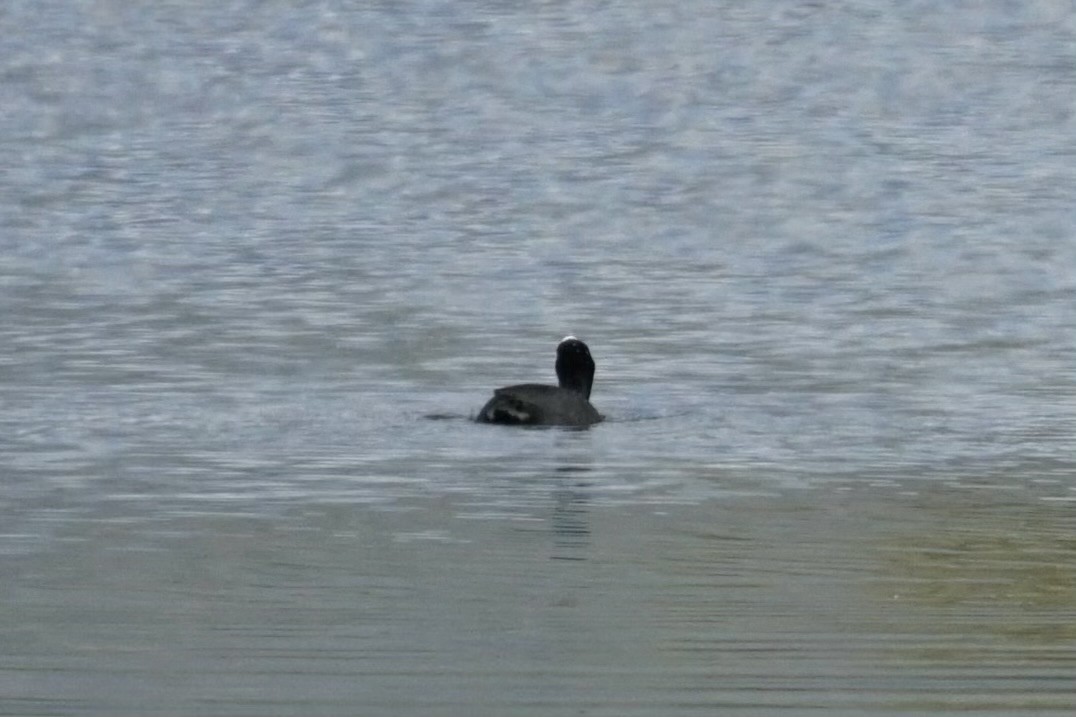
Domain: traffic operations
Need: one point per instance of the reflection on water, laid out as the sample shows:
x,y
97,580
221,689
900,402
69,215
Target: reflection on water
x,y
569,521
548,593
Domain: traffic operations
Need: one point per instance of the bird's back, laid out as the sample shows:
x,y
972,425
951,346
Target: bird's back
x,y
538,404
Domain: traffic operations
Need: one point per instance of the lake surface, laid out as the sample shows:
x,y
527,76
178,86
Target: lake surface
x,y
261,263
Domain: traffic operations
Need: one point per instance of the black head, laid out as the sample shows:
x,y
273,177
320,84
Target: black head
x,y
575,367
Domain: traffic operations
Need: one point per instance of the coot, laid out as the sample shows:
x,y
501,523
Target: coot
x,y
535,404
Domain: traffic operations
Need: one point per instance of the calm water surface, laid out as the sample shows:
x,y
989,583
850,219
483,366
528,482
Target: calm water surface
x,y
259,264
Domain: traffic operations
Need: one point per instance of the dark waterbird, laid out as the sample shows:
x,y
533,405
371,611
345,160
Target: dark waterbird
x,y
535,404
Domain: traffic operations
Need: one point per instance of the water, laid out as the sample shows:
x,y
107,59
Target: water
x,y
258,265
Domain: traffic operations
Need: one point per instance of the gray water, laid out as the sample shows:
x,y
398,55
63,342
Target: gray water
x,y
260,263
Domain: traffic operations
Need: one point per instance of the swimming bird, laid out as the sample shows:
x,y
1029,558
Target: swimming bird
x,y
535,404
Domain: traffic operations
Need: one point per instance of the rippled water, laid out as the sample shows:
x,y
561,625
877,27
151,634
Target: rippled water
x,y
259,264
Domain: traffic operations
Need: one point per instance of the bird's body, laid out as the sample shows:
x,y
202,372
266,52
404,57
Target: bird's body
x,y
536,404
